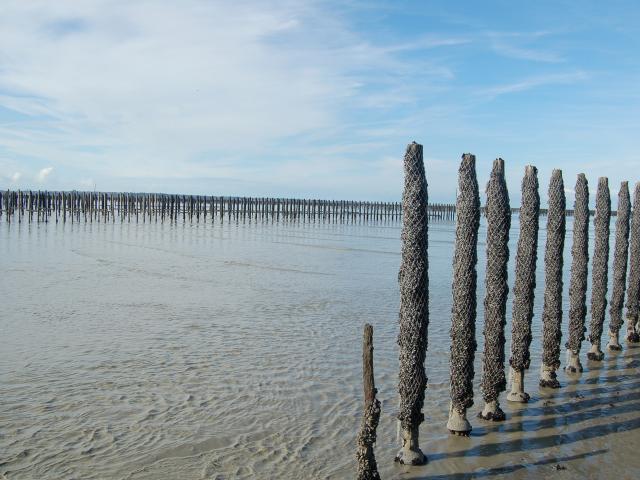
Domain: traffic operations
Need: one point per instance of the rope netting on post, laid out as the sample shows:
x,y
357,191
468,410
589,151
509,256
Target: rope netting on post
x,y
553,263
633,289
579,272
414,305
525,283
463,311
620,255
600,268
498,213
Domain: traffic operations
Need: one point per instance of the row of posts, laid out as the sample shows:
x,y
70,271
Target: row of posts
x,y
45,206
414,294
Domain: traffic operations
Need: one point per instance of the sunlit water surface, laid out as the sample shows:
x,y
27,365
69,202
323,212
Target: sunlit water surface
x,y
233,350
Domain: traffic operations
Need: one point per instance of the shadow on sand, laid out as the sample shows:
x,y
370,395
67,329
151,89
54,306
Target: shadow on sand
x,y
490,472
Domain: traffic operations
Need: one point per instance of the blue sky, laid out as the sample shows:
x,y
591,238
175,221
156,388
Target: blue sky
x,y
314,99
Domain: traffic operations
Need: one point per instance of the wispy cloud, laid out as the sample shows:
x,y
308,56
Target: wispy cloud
x,y
124,89
533,82
517,45
43,174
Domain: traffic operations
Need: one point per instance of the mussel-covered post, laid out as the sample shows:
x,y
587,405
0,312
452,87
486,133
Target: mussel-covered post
x,y
579,271
414,305
367,466
600,268
498,214
463,311
633,290
525,283
553,263
620,255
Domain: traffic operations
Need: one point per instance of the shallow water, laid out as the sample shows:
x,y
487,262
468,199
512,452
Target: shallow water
x,y
152,351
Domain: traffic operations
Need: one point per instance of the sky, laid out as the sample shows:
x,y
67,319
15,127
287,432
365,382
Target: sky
x,y
314,99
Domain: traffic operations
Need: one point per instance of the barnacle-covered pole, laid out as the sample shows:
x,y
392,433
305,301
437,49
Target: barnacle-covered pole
x,y
414,305
553,263
463,312
525,283
633,290
579,271
367,466
495,300
600,268
620,255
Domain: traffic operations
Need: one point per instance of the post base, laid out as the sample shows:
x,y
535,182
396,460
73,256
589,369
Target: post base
x,y
493,412
517,393
614,342
573,362
410,453
548,377
632,334
458,423
595,354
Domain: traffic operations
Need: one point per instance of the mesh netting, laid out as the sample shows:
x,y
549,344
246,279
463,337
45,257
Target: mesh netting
x,y
463,311
620,253
553,262
525,281
498,214
633,290
579,266
600,261
414,290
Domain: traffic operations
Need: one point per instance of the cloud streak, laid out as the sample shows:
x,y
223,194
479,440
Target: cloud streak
x,y
534,82
43,174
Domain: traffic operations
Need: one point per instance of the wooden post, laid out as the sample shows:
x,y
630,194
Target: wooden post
x,y
367,466
524,285
498,214
463,310
414,306
553,264
620,258
600,268
633,288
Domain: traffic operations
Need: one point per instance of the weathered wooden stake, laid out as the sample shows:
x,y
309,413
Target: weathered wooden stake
x,y
600,268
553,263
620,255
633,289
498,214
525,283
365,456
579,271
414,306
463,311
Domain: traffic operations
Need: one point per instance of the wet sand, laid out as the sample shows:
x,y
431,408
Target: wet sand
x,y
233,351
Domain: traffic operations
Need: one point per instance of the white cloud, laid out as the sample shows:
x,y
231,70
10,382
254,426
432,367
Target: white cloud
x,y
42,175
15,178
159,89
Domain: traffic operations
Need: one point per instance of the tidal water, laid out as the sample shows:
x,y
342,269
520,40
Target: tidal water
x,y
233,350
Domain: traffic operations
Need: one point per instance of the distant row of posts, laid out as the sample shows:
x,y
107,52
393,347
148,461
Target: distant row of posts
x,y
414,292
46,206
54,206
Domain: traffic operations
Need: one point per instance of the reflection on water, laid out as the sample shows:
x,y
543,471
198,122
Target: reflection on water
x,y
233,351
